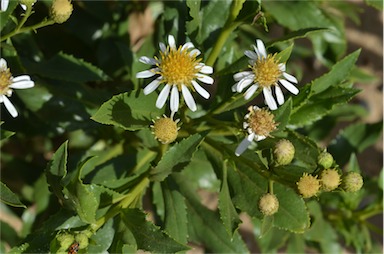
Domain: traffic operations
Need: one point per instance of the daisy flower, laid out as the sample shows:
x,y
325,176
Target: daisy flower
x,y
7,83
178,69
259,123
266,72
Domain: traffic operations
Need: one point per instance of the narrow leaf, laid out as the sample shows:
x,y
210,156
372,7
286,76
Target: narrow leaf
x,y
8,197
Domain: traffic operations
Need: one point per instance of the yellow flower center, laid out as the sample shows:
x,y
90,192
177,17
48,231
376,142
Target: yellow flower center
x,y
178,67
165,130
308,185
5,80
261,121
267,71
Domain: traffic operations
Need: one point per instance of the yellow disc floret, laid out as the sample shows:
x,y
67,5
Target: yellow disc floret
x,y
5,81
267,71
308,185
178,67
261,121
165,130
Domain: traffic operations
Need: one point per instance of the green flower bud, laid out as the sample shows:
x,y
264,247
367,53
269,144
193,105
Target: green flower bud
x,y
330,179
65,240
61,10
82,240
284,152
268,204
352,182
308,185
325,160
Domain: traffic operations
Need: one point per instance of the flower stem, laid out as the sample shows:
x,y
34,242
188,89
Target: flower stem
x,y
19,29
229,26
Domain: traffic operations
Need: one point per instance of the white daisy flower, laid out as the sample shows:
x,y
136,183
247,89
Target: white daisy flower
x,y
266,72
259,123
7,83
178,69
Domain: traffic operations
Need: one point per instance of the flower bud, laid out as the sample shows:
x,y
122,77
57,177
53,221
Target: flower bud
x,y
165,129
268,204
330,179
61,10
308,185
325,160
82,240
352,182
65,240
284,152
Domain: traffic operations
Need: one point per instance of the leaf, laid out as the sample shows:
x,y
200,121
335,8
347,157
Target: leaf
x,y
177,157
228,213
68,68
130,111
292,214
175,218
81,197
102,239
194,12
57,169
301,33
4,134
354,139
378,4
5,16
148,236
8,197
284,55
338,73
282,115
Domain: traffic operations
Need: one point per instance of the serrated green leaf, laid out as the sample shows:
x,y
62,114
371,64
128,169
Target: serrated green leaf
x,y
292,214
82,197
354,139
175,214
284,55
194,12
8,197
102,239
177,157
68,68
130,111
148,236
266,225
228,213
56,170
339,72
282,115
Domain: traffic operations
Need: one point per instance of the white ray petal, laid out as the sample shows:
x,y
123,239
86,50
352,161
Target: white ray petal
x,y
162,46
3,64
200,90
205,79
148,60
234,87
261,48
290,87
188,98
282,66
205,69
245,82
152,86
259,137
194,52
250,91
174,99
22,84
1,98
269,98
9,106
147,73
23,6
244,74
290,77
187,45
251,54
244,145
21,78
4,5
279,95
163,96
171,41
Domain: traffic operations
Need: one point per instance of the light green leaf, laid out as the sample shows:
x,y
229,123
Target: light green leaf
x,y
378,4
5,16
68,68
175,217
194,12
228,213
177,157
266,225
8,197
284,55
292,214
102,239
130,111
148,236
301,33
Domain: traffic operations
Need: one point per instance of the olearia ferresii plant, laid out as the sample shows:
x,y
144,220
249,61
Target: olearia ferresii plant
x,y
137,187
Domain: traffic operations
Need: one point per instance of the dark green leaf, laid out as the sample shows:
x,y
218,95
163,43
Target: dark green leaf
x,y
100,242
194,12
301,33
5,16
8,197
177,157
148,236
4,134
130,111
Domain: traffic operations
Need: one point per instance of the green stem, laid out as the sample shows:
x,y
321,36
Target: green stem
x,y
228,28
19,28
270,186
